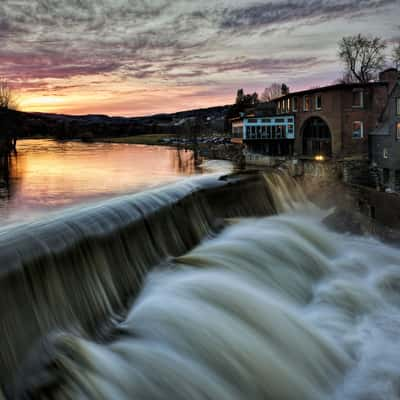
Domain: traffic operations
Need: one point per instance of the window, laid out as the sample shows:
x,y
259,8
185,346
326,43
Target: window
x,y
264,132
358,99
398,130
385,153
288,105
397,105
306,103
235,131
294,104
386,175
372,212
358,130
318,102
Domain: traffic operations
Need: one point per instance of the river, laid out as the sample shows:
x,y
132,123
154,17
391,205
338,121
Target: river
x,y
46,175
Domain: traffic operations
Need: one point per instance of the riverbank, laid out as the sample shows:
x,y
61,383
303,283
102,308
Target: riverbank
x,y
167,139
150,139
216,147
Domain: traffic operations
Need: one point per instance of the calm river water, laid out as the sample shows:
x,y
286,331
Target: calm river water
x,y
46,175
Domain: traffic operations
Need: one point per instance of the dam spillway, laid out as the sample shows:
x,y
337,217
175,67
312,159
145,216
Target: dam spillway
x,y
181,293
79,269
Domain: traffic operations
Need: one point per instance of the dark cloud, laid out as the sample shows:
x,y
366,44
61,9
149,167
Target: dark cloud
x,y
19,66
265,14
269,65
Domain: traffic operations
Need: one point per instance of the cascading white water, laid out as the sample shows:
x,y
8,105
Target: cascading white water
x,y
77,270
272,308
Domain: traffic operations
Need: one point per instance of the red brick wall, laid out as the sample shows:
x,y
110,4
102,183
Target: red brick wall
x,y
374,103
339,114
330,113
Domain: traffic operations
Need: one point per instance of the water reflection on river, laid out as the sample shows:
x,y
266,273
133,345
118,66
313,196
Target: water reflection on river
x,y
45,174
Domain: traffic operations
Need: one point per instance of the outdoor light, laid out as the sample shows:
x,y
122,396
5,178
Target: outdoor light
x,y
319,157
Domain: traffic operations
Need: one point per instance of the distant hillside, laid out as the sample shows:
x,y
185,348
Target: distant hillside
x,y
211,120
211,112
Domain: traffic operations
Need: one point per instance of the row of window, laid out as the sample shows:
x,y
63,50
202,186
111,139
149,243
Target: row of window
x,y
279,131
269,132
283,131
309,102
292,104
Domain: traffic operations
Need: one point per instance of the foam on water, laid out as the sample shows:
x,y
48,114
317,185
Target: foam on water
x,y
272,308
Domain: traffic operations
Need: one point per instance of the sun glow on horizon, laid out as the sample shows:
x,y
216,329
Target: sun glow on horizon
x,y
121,98
51,103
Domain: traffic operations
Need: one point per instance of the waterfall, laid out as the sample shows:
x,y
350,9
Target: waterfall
x,y
79,269
274,307
287,194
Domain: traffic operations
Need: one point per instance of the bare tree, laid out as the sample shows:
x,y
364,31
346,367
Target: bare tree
x,y
9,118
346,78
396,55
363,56
272,92
8,99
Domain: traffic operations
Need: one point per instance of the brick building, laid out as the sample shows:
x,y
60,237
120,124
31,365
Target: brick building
x,y
335,121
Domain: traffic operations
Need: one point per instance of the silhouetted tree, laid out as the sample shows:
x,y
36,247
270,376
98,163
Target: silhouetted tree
x,y
8,100
239,96
363,56
254,99
246,100
242,103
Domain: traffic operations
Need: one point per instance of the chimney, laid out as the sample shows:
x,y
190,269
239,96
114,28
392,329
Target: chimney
x,y
391,76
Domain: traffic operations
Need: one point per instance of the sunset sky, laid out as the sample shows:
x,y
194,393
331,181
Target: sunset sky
x,y
139,57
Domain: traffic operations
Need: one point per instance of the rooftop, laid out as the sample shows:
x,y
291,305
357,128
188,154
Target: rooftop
x,y
337,86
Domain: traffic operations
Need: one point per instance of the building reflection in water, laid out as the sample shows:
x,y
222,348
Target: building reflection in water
x,y
186,161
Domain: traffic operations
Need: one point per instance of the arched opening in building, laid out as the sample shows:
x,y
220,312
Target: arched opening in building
x,y
316,138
